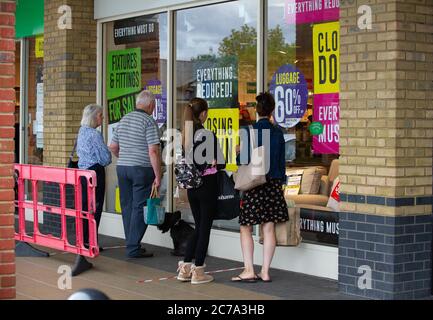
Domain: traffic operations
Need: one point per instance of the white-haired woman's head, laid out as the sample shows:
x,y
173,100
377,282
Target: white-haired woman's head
x,y
145,101
92,116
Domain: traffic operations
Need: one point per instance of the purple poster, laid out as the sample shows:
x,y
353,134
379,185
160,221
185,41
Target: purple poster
x,y
160,112
289,88
311,11
327,111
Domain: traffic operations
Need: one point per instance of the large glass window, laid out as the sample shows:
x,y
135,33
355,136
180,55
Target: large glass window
x,y
303,74
135,59
216,59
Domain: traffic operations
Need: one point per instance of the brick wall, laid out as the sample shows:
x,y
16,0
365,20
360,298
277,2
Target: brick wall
x,y
396,249
386,148
7,133
70,76
386,105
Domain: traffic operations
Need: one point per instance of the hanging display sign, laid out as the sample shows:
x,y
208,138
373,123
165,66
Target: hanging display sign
x,y
289,88
326,52
217,81
327,112
123,82
225,124
160,112
39,46
38,124
137,29
311,11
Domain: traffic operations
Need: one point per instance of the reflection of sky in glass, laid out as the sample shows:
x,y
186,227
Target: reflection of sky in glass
x,y
200,30
276,17
163,41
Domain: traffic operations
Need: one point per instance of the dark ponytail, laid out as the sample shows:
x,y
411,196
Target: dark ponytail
x,y
192,113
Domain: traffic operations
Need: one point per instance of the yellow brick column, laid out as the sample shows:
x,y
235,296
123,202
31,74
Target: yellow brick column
x,y
69,75
386,148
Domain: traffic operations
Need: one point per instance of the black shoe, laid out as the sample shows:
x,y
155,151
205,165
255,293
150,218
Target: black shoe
x,y
141,254
81,265
101,249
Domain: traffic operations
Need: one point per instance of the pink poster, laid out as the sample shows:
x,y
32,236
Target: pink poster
x,y
327,112
311,11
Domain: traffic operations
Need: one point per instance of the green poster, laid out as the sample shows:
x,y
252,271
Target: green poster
x,y
123,81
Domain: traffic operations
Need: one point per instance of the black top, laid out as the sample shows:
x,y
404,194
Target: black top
x,y
202,159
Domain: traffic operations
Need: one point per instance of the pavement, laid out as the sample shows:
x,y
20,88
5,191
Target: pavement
x,y
153,278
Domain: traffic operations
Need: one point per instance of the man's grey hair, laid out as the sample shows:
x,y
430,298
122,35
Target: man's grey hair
x,y
145,98
89,115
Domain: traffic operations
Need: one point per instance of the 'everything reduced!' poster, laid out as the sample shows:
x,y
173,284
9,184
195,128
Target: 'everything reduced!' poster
x,y
123,82
217,81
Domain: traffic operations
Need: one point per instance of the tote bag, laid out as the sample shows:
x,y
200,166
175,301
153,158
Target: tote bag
x,y
253,174
154,213
71,163
228,199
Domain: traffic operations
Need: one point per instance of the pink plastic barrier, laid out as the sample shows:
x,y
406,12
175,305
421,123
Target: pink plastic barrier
x,y
62,176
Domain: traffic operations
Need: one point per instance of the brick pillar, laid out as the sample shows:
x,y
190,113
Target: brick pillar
x,y
7,146
386,149
69,85
69,76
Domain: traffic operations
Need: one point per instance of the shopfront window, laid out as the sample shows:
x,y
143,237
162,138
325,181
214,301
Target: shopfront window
x,y
35,102
303,74
216,59
135,59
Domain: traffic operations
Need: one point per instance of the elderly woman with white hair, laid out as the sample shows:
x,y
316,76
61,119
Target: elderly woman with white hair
x,y
93,154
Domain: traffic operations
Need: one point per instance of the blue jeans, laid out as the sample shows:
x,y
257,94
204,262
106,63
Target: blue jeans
x,y
135,185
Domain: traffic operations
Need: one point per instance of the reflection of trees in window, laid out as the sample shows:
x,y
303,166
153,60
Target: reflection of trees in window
x,y
242,43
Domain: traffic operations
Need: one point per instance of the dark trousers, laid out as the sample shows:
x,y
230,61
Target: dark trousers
x,y
135,185
99,196
203,203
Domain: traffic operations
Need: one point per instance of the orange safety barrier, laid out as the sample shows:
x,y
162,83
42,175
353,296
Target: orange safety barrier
x,y
63,177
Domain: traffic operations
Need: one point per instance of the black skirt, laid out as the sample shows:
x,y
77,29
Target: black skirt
x,y
263,204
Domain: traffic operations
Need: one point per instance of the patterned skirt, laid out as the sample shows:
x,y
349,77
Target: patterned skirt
x,y
263,204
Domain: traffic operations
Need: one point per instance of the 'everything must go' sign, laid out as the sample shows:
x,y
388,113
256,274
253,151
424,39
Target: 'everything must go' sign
x,y
327,112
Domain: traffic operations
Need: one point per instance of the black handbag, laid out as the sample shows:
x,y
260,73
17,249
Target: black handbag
x,y
228,198
71,163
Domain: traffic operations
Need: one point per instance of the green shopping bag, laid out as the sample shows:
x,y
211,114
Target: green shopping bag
x,y
154,213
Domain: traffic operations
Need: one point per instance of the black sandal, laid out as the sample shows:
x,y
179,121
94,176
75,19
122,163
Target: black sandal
x,y
240,279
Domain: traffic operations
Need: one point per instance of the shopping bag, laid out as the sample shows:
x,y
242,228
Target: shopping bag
x,y
228,198
252,175
72,163
287,233
154,213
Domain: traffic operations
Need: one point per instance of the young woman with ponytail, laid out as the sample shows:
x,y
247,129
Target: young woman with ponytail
x,y
203,200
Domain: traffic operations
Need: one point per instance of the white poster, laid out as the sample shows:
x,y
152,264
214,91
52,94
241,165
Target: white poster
x,y
38,125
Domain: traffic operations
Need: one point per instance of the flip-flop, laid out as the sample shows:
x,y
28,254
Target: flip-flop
x,y
261,280
239,279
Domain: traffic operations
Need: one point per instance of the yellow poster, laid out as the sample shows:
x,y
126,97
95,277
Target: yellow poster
x,y
326,51
39,46
225,124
